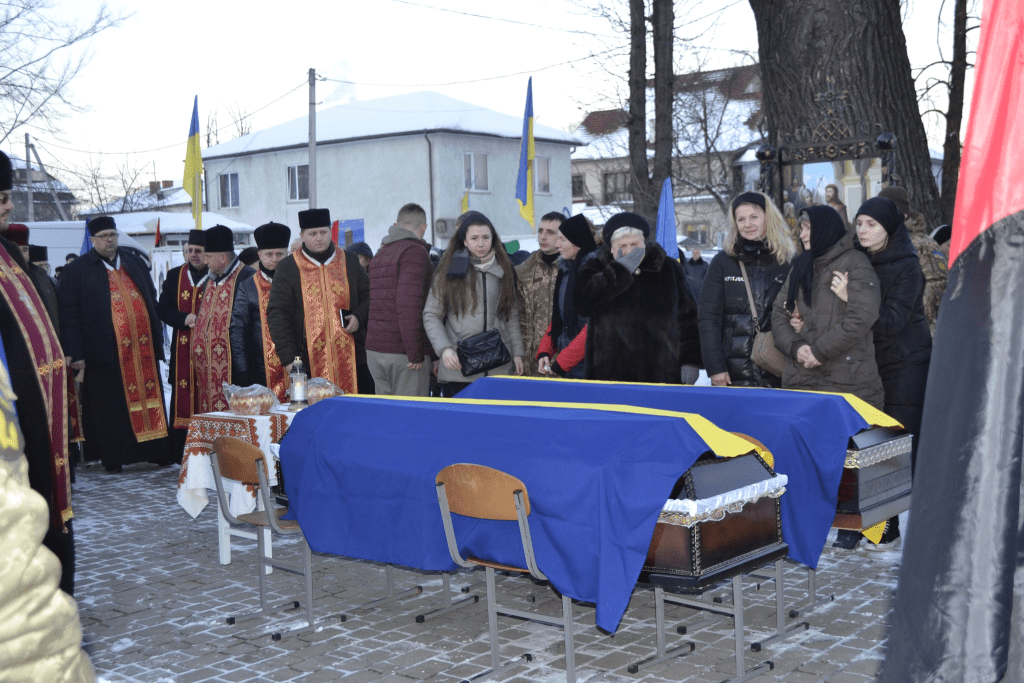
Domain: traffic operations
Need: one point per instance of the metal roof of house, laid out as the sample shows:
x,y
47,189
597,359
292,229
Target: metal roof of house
x,y
143,200
421,112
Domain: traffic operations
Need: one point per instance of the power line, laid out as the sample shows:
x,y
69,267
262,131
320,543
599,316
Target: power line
x,y
475,80
176,144
689,20
501,19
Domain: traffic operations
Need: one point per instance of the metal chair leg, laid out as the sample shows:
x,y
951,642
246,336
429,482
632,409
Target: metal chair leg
x,y
492,628
389,577
570,649
264,562
447,605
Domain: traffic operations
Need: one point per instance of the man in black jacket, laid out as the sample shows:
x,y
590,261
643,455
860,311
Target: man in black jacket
x,y
109,327
180,297
695,268
253,355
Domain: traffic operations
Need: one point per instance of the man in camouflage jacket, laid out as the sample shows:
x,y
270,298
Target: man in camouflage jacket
x,y
536,284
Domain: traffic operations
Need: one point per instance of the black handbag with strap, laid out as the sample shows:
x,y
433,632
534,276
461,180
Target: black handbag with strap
x,y
763,351
484,351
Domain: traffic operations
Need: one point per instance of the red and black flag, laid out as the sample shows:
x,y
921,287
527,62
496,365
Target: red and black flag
x,y
959,608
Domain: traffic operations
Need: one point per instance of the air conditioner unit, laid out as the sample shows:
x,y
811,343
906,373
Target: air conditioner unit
x,y
444,227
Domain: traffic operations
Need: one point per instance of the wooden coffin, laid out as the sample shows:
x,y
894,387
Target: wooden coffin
x,y
876,478
695,548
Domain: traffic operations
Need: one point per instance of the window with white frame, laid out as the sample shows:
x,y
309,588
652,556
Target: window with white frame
x,y
698,232
617,188
298,182
475,166
542,172
228,190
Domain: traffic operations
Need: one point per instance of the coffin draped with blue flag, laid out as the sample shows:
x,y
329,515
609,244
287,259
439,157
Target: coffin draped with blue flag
x,y
812,437
359,473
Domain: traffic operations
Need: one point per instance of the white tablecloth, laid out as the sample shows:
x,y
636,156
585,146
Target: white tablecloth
x,y
196,477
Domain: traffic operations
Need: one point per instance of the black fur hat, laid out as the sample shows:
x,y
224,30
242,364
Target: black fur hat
x,y
6,173
626,219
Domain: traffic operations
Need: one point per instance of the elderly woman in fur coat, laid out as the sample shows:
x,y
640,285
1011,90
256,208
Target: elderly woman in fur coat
x,y
642,317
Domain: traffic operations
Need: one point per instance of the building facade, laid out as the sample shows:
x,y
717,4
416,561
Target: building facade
x,y
373,157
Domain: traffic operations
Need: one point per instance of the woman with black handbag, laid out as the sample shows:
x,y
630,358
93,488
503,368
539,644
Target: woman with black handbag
x,y
739,290
471,316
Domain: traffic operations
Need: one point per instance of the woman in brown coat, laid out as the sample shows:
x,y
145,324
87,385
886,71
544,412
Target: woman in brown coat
x,y
828,342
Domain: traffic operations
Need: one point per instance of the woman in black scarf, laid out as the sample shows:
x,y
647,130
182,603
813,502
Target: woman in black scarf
x,y
758,248
826,337
823,323
903,341
562,348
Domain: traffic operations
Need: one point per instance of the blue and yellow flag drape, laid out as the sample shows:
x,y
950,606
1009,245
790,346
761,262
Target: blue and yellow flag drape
x,y
524,183
465,202
194,168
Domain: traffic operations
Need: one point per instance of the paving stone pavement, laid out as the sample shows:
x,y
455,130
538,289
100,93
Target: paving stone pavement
x,y
152,598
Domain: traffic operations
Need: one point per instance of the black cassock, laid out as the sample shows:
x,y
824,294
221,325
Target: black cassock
x,y
87,333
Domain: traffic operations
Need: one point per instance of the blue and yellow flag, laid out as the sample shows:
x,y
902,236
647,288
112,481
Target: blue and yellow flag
x,y
524,184
465,202
193,182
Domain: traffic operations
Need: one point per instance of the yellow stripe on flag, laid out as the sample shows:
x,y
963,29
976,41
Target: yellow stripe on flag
x,y
722,443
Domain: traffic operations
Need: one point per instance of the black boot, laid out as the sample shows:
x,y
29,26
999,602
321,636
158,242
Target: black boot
x,y
890,536
846,542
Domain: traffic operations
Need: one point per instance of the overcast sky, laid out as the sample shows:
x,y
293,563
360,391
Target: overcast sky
x,y
254,57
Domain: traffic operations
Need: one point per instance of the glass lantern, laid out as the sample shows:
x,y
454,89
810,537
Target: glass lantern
x,y
298,385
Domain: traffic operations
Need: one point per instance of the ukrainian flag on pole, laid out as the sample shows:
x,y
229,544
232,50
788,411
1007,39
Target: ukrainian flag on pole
x,y
193,182
524,184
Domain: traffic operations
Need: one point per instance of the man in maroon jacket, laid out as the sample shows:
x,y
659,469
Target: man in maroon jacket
x,y
397,350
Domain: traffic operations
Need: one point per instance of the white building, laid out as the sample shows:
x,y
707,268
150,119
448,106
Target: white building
x,y
374,156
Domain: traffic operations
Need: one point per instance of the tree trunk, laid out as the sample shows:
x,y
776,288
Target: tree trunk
x,y
951,147
637,124
861,46
646,186
662,19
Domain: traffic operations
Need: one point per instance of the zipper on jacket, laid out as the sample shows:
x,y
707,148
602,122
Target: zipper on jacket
x,y
483,277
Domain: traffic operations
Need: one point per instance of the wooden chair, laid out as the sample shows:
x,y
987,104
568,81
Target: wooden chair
x,y
486,493
235,459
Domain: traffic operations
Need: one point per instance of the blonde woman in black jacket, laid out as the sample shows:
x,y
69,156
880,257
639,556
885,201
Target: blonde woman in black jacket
x,y
759,239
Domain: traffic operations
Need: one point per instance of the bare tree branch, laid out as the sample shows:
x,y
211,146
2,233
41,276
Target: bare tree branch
x,y
41,54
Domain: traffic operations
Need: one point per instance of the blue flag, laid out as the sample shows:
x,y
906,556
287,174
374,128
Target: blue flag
x,y
666,234
86,243
524,181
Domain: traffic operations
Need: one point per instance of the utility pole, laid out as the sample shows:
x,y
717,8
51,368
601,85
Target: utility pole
x,y
28,181
312,139
49,184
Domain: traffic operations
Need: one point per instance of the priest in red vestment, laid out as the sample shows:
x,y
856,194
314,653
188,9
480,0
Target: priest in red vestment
x,y
211,337
109,328
178,305
319,301
38,376
253,355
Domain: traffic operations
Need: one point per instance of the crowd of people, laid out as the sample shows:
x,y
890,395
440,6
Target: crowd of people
x,y
848,308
